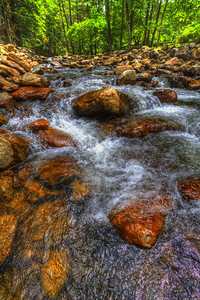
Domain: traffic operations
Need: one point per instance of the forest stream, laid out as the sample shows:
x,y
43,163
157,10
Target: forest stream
x,y
92,260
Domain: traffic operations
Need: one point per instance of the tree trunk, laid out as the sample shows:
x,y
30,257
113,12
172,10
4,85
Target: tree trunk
x,y
63,25
156,25
161,24
6,12
129,16
70,20
146,23
108,24
150,22
122,24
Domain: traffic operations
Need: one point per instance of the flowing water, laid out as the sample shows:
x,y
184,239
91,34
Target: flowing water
x,y
102,265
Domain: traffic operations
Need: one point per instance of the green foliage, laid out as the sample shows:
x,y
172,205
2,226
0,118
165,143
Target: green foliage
x,y
53,27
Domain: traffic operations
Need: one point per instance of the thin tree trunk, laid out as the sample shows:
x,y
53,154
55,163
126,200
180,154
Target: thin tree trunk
x,y
63,25
122,25
7,21
108,24
70,19
150,22
156,24
161,24
146,23
130,23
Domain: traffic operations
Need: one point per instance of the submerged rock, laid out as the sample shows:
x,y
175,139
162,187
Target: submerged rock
x,y
54,273
3,120
166,95
56,138
190,189
58,170
6,186
102,102
32,93
8,225
80,189
142,221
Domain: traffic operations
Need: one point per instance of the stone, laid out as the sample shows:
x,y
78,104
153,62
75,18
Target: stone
x,y
32,79
3,120
5,99
13,65
8,225
56,63
102,102
110,61
194,85
173,62
74,65
32,93
165,47
146,77
154,54
127,77
38,125
6,186
189,189
58,170
54,273
6,71
6,86
56,138
120,69
142,221
178,81
166,95
138,128
20,61
81,190
13,150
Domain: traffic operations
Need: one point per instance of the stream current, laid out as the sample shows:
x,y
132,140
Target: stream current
x,y
102,265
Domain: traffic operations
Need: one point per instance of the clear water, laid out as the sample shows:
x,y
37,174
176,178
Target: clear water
x,y
102,265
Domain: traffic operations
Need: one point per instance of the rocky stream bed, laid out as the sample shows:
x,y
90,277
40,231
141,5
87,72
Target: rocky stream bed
x,y
100,175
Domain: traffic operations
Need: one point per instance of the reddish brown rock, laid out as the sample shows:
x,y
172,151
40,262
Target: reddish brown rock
x,y
7,86
13,150
102,102
142,221
8,225
127,77
166,95
13,65
3,120
74,65
194,85
32,79
142,127
38,125
110,61
21,176
80,189
32,93
190,189
58,170
56,138
5,99
120,69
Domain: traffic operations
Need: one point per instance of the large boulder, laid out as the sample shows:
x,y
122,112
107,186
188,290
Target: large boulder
x,y
58,170
13,150
56,138
32,79
142,221
194,85
190,189
127,77
32,93
137,128
8,225
6,71
166,95
102,102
